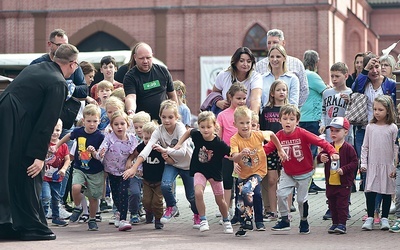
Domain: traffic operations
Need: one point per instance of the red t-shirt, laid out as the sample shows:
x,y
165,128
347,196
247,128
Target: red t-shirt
x,y
54,162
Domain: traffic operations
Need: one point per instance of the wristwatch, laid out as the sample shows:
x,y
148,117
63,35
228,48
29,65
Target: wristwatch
x,y
130,111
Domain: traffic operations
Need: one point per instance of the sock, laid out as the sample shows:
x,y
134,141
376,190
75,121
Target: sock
x,y
303,218
84,205
92,218
285,218
203,217
79,206
225,219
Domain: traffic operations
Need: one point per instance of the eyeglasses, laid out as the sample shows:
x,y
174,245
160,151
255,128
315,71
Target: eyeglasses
x,y
56,44
75,62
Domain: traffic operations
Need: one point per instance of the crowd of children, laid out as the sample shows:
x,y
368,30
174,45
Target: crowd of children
x,y
237,150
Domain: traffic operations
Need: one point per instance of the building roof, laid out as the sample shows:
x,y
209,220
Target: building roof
x,y
378,4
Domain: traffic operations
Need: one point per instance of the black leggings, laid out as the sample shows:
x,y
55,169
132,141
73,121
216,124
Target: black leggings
x,y
386,200
227,170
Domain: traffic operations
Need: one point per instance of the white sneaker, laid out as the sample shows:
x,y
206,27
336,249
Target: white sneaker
x,y
385,224
228,229
49,214
109,201
204,226
64,214
218,214
392,208
124,225
368,224
111,220
116,221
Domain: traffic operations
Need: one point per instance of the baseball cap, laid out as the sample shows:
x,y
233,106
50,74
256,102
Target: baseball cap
x,y
339,122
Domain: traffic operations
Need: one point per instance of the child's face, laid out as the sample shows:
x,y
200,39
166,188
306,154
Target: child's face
x,y
238,99
380,112
338,134
119,126
254,125
104,94
280,93
138,126
91,122
56,132
168,118
146,137
207,129
243,125
289,122
338,78
108,71
111,110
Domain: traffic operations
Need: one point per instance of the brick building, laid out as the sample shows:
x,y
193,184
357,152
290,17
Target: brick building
x,y
182,31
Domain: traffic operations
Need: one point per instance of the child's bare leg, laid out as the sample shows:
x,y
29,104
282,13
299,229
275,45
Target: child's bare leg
x,y
199,197
76,194
272,186
93,204
223,207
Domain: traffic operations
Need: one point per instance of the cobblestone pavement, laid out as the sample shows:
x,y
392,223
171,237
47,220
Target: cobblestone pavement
x,y
179,234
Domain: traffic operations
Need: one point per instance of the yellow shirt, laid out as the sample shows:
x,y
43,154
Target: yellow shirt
x,y
256,162
334,177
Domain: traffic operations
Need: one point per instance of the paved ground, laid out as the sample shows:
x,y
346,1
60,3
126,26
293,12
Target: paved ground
x,y
179,233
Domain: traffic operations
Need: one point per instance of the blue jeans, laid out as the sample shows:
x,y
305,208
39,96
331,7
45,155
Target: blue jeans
x,y
167,182
67,173
135,193
51,192
312,127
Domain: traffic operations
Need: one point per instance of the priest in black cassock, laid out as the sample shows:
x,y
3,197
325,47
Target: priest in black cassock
x,y
29,109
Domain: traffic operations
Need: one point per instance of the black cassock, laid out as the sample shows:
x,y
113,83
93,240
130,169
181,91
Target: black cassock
x,y
29,109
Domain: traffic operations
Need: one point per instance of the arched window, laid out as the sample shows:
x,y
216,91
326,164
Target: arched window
x,y
256,40
101,41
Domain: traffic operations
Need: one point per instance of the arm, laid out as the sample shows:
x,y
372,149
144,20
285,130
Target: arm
x,y
132,171
67,162
255,100
63,140
294,91
184,137
172,96
130,103
270,136
364,151
301,75
321,129
351,166
81,89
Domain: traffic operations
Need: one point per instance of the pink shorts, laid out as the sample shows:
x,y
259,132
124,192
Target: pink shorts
x,y
216,186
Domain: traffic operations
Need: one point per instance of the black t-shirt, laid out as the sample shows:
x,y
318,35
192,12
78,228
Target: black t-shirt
x,y
150,88
207,156
269,119
119,76
153,166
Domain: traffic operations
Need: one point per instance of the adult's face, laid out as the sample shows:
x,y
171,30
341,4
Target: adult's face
x,y
144,58
72,66
386,69
271,40
89,78
244,64
358,63
55,43
276,59
375,72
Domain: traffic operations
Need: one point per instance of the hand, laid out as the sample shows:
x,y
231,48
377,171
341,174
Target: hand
x,y
371,63
324,158
129,173
393,174
321,129
363,169
52,149
236,168
340,171
102,153
335,157
282,155
61,172
159,148
165,156
177,146
222,104
34,169
91,149
139,173
128,164
345,97
245,151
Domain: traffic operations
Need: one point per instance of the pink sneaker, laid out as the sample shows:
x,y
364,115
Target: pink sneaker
x,y
196,221
364,218
377,220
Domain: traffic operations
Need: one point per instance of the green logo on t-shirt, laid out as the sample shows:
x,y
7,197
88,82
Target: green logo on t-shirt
x,y
151,85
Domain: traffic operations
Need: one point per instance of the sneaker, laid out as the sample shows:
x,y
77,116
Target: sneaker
x,y
341,229
104,207
228,229
197,221
368,224
76,213
331,230
158,224
204,226
49,214
260,226
353,188
271,217
117,219
235,221
327,215
84,218
124,226
316,188
392,208
241,232
248,224
396,227
134,219
312,191
385,224
170,212
377,221
292,208
109,202
365,217
149,217
304,227
68,208
98,217
282,225
64,214
92,225
218,214
111,220
59,222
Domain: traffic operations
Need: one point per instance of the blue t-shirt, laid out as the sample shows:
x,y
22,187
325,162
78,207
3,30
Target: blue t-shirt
x,y
312,109
104,121
83,159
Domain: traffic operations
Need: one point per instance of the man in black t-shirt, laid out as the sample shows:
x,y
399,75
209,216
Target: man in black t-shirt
x,y
146,85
